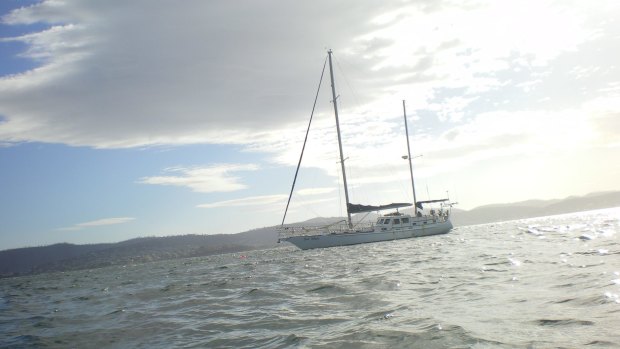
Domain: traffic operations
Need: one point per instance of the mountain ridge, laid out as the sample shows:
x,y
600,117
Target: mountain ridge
x,y
535,208
65,256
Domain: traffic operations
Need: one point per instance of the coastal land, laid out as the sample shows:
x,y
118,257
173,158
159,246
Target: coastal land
x,y
65,257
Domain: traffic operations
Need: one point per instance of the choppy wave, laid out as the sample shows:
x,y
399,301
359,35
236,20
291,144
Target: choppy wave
x,y
539,283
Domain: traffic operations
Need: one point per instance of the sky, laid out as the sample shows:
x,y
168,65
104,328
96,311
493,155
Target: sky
x,y
123,119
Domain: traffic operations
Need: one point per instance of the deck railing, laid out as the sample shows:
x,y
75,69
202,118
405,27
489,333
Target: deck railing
x,y
340,228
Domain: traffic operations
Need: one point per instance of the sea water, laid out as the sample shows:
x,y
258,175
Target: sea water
x,y
537,283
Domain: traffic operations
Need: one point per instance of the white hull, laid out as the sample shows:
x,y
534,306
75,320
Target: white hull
x,y
306,242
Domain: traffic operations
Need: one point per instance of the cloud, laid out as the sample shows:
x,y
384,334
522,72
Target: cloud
x,y
267,200
315,191
210,179
492,77
249,201
115,76
97,223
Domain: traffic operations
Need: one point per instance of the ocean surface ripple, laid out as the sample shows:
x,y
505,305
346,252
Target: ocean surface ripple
x,y
551,282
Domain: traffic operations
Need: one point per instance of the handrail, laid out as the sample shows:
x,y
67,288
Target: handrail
x,y
323,230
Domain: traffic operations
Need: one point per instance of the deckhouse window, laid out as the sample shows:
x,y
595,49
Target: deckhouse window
x,y
396,221
387,221
380,221
405,220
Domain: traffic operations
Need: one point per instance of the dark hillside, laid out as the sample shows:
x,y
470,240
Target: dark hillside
x,y
60,257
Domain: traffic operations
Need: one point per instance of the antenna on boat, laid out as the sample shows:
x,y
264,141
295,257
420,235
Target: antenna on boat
x,y
415,204
344,174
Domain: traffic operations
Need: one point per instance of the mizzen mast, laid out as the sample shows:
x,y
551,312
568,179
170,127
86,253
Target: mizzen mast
x,y
415,204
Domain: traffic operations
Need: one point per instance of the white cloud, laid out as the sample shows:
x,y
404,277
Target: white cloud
x,y
97,223
116,76
315,191
265,200
210,179
268,200
483,79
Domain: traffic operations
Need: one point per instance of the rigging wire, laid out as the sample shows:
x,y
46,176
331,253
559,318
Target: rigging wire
x,y
305,141
394,169
339,192
346,80
352,176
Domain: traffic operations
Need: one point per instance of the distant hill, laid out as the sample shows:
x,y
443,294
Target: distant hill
x,y
61,257
534,208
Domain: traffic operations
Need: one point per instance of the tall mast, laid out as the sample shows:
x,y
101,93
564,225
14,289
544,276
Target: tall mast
x,y
344,174
415,207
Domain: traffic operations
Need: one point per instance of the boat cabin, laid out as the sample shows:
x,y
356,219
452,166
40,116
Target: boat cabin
x,y
396,220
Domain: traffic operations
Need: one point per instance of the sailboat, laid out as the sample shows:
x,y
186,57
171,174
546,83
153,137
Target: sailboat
x,y
389,226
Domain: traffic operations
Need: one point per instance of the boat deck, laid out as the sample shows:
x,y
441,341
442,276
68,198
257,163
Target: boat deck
x,y
289,231
365,227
